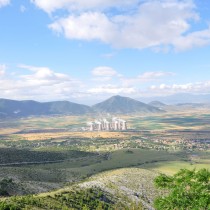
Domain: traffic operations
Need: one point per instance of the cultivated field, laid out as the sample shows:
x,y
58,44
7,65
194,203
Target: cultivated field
x,y
43,154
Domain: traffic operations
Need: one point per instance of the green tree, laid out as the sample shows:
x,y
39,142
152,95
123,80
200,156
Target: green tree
x,y
188,190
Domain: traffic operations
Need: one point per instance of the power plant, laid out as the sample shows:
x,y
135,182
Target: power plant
x,y
115,124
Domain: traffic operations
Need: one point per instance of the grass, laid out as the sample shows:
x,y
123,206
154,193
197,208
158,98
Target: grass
x,y
115,189
172,167
75,166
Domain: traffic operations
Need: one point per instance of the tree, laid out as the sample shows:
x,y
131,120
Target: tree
x,y
188,190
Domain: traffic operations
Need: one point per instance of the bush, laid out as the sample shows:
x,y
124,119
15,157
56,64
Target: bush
x,y
188,189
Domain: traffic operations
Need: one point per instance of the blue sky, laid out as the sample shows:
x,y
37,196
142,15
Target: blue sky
x,y
86,51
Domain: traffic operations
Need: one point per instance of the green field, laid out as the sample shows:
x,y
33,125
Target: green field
x,y
171,167
43,155
193,119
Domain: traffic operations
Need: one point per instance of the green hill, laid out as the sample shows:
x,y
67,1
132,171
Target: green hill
x,y
124,105
13,108
131,188
157,104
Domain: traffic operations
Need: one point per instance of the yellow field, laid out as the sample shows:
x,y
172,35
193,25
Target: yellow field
x,y
60,135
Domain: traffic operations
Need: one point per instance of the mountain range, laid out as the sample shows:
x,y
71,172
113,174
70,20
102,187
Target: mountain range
x,y
114,105
179,98
13,108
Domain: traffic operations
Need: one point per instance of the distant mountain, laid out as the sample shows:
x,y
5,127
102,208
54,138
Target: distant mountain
x,y
157,104
193,105
179,98
124,105
66,107
13,108
114,105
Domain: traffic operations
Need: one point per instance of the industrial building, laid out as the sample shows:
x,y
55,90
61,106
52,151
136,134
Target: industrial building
x,y
115,124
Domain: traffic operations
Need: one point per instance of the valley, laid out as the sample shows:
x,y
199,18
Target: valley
x,y
53,155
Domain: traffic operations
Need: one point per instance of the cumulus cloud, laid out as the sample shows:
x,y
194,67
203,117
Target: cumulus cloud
x,y
104,71
159,25
194,39
112,89
43,83
104,74
43,73
197,87
40,83
4,3
87,26
2,69
146,77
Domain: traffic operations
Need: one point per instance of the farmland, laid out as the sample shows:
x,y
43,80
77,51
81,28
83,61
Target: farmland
x,y
42,154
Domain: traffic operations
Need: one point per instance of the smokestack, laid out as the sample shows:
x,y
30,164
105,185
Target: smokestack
x,y
124,125
107,126
116,125
99,126
91,124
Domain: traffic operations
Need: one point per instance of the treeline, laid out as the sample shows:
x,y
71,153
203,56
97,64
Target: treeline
x,y
11,155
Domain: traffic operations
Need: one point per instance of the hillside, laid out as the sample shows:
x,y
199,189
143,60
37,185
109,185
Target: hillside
x,y
108,190
13,108
157,104
124,105
179,98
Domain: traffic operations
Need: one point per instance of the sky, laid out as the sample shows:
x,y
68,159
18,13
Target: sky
x,y
86,51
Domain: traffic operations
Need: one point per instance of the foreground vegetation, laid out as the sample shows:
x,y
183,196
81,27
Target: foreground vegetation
x,y
188,190
88,199
124,189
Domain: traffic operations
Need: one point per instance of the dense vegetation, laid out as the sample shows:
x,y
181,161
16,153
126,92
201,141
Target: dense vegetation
x,y
10,155
12,108
188,190
79,199
5,185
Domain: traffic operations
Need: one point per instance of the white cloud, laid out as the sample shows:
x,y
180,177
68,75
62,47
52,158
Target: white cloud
x,y
41,83
50,6
101,79
112,89
194,39
197,87
104,71
4,3
2,69
159,25
43,74
87,26
146,77
104,74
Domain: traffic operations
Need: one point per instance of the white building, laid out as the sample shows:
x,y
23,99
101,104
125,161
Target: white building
x,y
115,124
